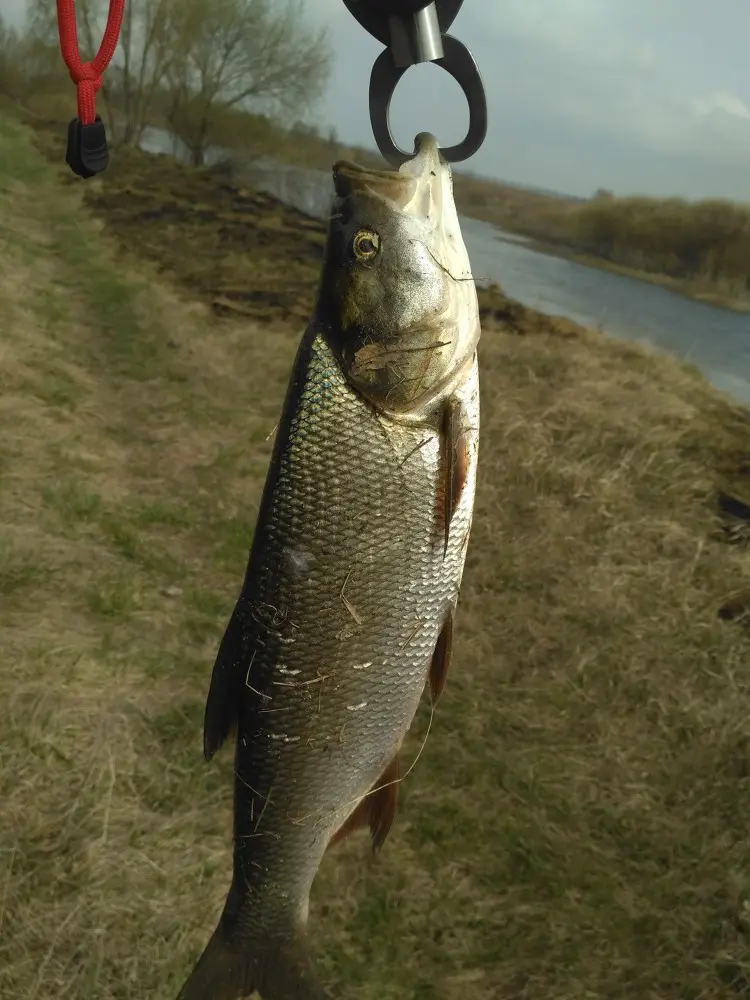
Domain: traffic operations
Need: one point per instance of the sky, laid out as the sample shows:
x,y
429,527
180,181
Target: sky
x,y
639,96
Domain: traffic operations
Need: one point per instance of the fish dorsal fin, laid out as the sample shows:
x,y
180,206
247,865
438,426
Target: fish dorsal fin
x,y
441,658
376,810
224,693
455,463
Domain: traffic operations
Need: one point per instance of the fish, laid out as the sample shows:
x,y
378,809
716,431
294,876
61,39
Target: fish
x,y
346,612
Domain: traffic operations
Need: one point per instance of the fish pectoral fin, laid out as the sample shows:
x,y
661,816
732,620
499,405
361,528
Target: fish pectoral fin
x,y
441,658
455,463
376,810
227,683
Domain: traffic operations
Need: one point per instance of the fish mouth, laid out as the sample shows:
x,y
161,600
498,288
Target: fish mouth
x,y
427,160
423,174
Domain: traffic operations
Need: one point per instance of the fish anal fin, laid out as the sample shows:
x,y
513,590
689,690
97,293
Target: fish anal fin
x,y
441,658
455,464
376,810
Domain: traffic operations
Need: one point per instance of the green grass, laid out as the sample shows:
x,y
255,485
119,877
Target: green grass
x,y
576,825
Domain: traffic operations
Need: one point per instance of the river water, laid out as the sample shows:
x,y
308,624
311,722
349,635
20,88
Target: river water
x,y
717,341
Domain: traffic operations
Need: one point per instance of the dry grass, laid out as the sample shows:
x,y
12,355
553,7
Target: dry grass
x,y
575,827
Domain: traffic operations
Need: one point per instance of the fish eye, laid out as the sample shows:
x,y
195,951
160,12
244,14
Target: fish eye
x,y
365,244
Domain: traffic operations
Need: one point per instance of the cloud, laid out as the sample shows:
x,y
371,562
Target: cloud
x,y
721,103
652,75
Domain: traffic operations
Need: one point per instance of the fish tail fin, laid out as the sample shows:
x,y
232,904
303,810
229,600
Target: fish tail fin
x,y
279,970
221,973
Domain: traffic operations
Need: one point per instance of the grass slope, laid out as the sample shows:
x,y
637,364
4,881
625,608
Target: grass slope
x,y
575,827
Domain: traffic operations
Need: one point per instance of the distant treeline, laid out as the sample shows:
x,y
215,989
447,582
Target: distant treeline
x,y
702,245
702,242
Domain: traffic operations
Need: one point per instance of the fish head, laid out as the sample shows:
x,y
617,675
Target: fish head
x,y
397,295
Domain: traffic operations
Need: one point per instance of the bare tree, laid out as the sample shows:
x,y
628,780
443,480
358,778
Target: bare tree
x,y
10,70
148,55
241,56
28,62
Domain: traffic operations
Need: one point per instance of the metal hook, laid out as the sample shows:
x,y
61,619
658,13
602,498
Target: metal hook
x,y
456,60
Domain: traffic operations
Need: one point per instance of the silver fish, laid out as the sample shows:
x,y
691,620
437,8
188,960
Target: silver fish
x,y
348,602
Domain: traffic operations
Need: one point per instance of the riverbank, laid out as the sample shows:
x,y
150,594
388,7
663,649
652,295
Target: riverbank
x,y
576,823
695,291
243,251
553,224
550,222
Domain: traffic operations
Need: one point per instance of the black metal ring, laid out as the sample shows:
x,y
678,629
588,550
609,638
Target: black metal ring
x,y
457,61
376,19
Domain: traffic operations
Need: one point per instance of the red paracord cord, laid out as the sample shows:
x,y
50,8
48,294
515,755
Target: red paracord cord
x,y
87,76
